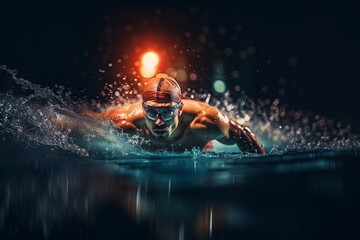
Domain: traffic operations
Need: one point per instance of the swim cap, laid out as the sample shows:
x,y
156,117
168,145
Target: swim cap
x,y
163,89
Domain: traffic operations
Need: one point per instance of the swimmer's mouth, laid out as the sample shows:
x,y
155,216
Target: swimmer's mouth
x,y
160,131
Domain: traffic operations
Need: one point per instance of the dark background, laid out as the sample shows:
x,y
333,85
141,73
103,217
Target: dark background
x,y
307,55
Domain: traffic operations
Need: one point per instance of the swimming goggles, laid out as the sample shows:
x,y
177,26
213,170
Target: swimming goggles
x,y
166,113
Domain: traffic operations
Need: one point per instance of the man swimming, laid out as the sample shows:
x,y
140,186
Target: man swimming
x,y
171,123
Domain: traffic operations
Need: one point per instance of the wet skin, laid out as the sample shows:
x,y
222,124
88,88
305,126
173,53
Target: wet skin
x,y
194,124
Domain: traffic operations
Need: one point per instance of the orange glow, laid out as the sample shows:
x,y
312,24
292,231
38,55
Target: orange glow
x,y
150,60
147,72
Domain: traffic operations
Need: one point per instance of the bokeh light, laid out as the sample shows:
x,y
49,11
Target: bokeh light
x,y
150,60
219,86
171,72
181,75
192,76
147,72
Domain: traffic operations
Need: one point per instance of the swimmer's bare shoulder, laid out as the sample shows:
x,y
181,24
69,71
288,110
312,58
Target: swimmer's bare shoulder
x,y
212,124
129,118
204,119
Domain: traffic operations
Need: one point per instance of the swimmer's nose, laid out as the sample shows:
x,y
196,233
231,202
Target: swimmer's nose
x,y
159,121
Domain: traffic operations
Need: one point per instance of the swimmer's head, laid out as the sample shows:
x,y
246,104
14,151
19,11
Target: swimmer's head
x,y
162,89
162,106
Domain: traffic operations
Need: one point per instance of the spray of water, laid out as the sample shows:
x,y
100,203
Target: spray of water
x,y
279,127
48,118
30,119
282,129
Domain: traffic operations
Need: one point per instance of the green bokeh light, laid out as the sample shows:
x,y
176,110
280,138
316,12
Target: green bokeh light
x,y
219,86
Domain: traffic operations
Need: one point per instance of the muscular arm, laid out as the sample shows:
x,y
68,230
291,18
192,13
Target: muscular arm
x,y
122,117
219,126
242,137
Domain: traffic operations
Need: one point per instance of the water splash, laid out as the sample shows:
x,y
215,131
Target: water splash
x,y
30,120
282,129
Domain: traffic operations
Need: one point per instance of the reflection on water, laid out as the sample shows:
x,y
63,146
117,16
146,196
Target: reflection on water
x,y
55,195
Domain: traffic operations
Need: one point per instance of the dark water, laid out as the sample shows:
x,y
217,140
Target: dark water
x,y
98,184
55,184
53,194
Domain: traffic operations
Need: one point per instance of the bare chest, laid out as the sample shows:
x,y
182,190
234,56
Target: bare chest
x,y
186,142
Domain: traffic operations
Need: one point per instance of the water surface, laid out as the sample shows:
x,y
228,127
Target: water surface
x,y
55,195
96,183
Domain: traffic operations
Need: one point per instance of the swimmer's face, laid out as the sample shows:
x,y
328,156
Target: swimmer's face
x,y
162,118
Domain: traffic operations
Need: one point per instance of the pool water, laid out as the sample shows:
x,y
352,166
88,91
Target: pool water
x,y
98,184
48,193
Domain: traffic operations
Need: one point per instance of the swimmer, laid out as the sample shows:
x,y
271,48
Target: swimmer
x,y
171,123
